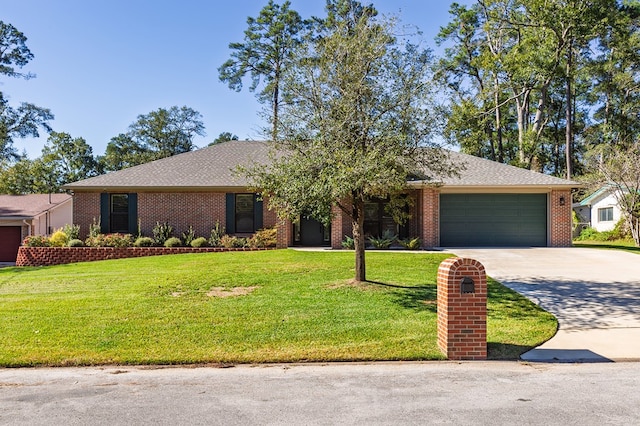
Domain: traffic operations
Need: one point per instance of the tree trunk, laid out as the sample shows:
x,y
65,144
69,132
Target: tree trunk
x,y
569,116
357,222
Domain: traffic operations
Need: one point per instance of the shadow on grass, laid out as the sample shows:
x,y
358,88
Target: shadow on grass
x,y
505,352
421,298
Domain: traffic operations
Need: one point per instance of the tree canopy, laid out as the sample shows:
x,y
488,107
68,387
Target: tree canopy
x,y
357,125
158,134
26,119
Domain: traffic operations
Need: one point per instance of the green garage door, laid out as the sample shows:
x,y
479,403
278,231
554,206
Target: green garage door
x,y
493,220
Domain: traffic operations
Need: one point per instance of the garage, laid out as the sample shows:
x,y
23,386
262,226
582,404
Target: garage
x,y
10,239
493,220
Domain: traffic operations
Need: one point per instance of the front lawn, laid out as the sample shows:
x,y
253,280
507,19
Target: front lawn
x,y
249,307
625,245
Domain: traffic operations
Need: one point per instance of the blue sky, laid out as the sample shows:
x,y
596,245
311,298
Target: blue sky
x,y
101,63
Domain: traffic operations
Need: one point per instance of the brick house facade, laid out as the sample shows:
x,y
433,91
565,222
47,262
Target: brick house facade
x,y
488,204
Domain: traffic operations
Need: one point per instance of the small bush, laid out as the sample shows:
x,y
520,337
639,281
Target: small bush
x,y
58,239
162,232
75,243
383,242
72,231
348,243
94,228
188,236
267,237
173,242
36,241
228,241
410,243
199,242
143,242
215,240
109,240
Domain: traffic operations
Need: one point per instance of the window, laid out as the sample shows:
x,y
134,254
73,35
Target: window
x,y
119,213
605,214
245,213
377,221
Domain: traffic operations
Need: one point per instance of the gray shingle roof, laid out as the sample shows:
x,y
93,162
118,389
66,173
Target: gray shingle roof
x,y
481,172
205,168
29,206
214,167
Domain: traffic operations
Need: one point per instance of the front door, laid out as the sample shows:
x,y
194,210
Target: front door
x,y
312,233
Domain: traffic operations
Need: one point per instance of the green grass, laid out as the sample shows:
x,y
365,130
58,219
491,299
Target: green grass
x,y
303,307
625,245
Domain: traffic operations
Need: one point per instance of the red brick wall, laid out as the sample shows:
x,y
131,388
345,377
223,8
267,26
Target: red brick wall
x,y
200,210
49,256
340,226
561,221
462,317
430,206
86,210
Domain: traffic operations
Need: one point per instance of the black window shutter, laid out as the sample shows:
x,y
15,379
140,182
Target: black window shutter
x,y
104,213
231,214
133,213
257,213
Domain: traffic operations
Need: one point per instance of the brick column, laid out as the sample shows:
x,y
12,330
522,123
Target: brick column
x,y
462,309
561,221
430,204
284,234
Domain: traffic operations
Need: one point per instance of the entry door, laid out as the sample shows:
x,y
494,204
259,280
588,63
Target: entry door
x,y
312,233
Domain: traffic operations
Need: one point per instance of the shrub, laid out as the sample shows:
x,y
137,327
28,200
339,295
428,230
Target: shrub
x,y
228,241
173,242
348,243
199,242
58,239
410,243
383,242
109,240
36,241
94,228
216,235
162,232
267,237
188,236
143,242
75,243
72,231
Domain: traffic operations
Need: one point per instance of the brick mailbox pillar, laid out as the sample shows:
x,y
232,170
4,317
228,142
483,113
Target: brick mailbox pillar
x,y
462,309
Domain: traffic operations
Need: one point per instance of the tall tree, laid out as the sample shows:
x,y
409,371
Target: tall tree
x,y
618,167
168,132
358,126
72,158
224,137
26,119
156,135
266,54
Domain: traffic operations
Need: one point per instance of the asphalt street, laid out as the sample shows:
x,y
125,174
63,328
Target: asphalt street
x,y
467,393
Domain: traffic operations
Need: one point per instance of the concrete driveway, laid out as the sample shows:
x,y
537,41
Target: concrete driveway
x,y
594,293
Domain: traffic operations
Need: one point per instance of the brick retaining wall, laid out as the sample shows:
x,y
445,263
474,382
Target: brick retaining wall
x,y
48,256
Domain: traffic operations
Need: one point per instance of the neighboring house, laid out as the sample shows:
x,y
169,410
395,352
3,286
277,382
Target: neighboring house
x,y
600,210
34,214
489,204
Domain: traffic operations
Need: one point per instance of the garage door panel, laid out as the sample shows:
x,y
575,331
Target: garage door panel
x,y
10,239
493,220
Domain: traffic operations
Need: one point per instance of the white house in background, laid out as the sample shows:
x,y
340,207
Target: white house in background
x,y
33,214
600,210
